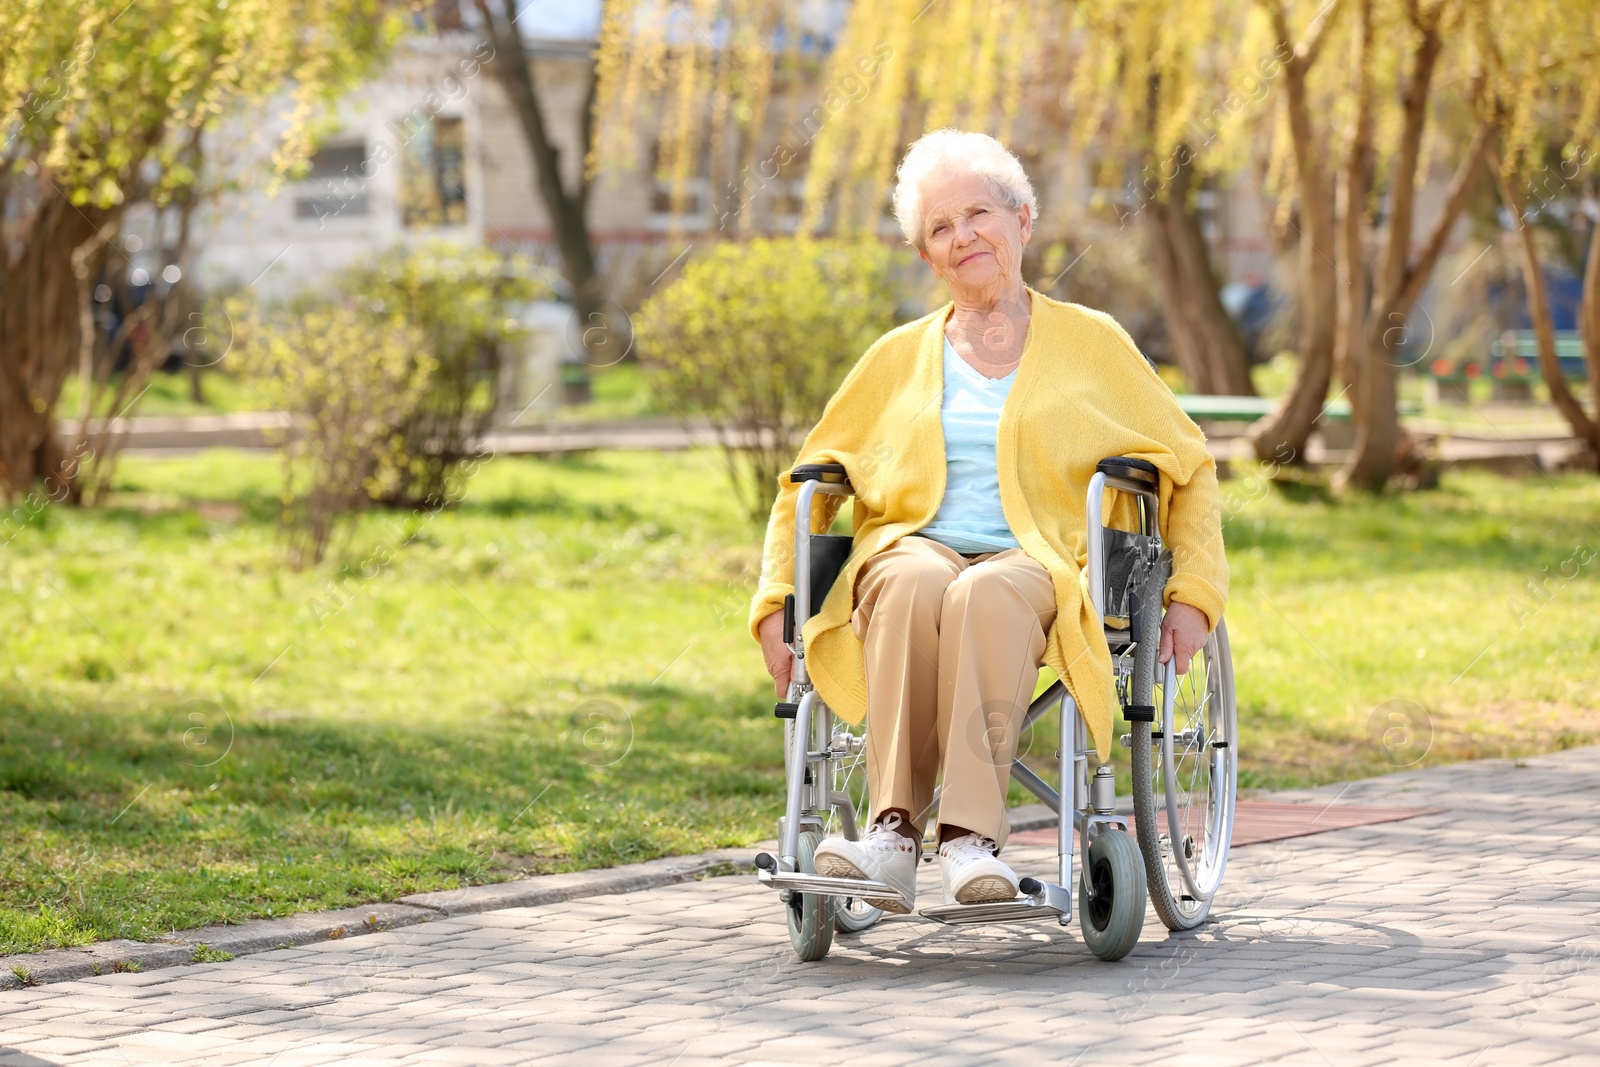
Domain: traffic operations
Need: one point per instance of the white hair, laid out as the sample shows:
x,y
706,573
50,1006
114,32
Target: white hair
x,y
958,151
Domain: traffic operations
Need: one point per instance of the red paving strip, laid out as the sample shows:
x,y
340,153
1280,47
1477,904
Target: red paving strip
x,y
1258,821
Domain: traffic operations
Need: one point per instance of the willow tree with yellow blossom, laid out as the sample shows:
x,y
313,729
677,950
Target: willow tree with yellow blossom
x,y
1350,107
104,105
769,98
1547,163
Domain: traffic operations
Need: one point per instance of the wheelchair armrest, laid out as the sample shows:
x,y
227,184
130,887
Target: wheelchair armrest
x,y
1134,470
819,472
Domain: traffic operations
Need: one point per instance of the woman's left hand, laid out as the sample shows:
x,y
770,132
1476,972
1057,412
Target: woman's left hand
x,y
1183,631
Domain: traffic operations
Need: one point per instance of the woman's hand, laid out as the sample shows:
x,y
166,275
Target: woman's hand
x,y
780,661
1183,631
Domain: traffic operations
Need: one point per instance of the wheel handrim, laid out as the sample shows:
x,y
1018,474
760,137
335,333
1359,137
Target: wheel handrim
x,y
1197,774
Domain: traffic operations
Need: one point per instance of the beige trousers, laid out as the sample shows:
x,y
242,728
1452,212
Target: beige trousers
x,y
953,647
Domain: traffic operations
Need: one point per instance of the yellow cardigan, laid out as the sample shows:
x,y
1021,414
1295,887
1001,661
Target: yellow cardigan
x,y
1082,393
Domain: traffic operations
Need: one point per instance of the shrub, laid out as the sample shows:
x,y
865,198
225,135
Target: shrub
x,y
462,301
755,337
352,380
391,373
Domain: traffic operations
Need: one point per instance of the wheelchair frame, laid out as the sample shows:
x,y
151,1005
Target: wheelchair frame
x,y
1091,807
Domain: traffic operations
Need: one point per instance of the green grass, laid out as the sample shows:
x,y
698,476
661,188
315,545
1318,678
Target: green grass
x,y
557,675
617,393
169,394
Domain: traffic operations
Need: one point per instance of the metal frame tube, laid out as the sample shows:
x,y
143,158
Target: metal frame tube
x,y
789,845
1096,546
802,576
1064,812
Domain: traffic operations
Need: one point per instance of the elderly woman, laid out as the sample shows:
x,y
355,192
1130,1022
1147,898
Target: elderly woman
x,y
969,437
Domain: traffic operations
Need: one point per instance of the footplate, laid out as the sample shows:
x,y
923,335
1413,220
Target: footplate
x,y
1040,900
823,886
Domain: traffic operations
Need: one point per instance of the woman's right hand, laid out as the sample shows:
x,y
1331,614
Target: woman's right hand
x,y
780,661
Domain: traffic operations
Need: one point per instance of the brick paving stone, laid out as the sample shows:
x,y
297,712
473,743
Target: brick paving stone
x,y
1405,941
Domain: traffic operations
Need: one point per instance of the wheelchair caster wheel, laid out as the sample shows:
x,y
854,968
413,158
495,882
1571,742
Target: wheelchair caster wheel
x,y
1114,917
810,917
854,915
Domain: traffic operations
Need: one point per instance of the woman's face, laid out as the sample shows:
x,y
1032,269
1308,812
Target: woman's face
x,y
972,240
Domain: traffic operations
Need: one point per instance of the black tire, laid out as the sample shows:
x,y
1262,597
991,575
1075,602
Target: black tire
x,y
1113,920
810,917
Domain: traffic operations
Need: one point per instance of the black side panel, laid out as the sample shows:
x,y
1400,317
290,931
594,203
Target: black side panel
x,y
828,553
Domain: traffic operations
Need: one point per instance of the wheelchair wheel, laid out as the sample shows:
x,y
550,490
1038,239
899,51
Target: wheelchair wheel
x,y
855,915
1185,776
1113,919
810,917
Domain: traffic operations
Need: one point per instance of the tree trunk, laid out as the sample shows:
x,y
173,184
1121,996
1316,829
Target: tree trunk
x,y
1589,326
1204,339
1398,281
39,336
1584,428
1281,436
513,67
1364,343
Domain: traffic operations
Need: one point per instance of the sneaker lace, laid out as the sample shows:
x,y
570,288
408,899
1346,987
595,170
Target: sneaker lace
x,y
958,847
886,831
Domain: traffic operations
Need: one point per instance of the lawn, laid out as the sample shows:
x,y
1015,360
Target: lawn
x,y
556,675
616,392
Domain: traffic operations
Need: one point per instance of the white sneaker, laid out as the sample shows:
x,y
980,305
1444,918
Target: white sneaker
x,y
883,855
972,874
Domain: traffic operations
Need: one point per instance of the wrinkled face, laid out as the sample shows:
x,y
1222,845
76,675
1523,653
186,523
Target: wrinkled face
x,y
971,238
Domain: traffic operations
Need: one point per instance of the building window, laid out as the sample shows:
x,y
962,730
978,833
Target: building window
x,y
690,208
432,183
336,186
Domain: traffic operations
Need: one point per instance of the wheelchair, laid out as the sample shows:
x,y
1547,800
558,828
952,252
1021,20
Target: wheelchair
x,y
1182,736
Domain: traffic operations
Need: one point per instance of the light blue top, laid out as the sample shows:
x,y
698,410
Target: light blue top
x,y
970,518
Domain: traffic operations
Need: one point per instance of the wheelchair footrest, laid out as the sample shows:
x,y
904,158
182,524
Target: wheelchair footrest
x,y
1050,901
823,886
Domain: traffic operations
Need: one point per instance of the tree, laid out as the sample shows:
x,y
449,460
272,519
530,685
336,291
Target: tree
x,y
603,339
1550,107
755,336
1165,96
103,105
855,99
1359,276
1284,433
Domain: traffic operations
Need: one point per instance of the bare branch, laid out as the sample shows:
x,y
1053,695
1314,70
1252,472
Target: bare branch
x,y
1316,33
1455,201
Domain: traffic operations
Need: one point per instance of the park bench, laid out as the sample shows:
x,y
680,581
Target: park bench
x,y
1246,408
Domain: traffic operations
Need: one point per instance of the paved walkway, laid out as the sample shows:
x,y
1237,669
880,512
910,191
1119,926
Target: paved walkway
x,y
1466,937
1548,449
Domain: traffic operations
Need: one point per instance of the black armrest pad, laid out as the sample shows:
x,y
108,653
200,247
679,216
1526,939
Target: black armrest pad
x,y
1138,470
818,472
